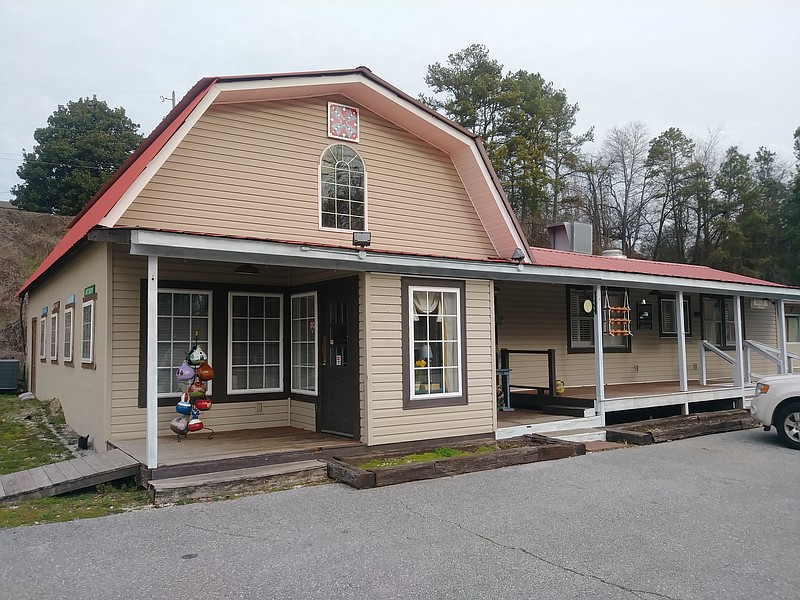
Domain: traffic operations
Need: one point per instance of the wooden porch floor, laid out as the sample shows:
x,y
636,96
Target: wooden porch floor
x,y
524,416
633,390
229,445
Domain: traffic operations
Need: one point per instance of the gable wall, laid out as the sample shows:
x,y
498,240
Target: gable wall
x,y
252,170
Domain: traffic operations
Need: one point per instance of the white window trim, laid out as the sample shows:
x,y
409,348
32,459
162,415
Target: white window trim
x,y
210,295
687,317
579,346
791,317
459,348
54,336
319,191
232,391
90,358
68,341
294,390
43,337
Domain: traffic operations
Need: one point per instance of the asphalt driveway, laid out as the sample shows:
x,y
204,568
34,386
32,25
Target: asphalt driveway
x,y
710,517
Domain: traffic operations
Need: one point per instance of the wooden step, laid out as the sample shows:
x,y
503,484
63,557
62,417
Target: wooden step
x,y
570,411
237,481
67,476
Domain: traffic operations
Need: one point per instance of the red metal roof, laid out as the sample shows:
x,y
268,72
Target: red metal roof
x,y
105,199
545,257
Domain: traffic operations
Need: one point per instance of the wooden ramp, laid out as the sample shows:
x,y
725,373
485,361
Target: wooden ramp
x,y
67,476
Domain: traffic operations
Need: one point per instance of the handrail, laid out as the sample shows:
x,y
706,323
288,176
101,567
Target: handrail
x,y
505,354
704,346
770,353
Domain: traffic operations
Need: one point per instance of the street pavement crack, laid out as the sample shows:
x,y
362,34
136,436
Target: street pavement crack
x,y
565,568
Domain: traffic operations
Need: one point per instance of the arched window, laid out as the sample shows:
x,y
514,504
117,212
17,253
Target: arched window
x,y
342,189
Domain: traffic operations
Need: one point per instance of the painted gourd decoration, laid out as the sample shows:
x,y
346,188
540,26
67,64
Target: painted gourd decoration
x,y
184,406
203,404
179,425
195,425
205,372
185,372
197,356
197,390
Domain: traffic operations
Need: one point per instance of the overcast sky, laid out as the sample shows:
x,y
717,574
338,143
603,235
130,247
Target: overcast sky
x,y
699,65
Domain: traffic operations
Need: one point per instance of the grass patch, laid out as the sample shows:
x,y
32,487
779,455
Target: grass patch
x,y
104,499
26,440
436,454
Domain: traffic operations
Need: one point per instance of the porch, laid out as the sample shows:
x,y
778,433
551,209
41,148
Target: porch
x,y
538,416
228,450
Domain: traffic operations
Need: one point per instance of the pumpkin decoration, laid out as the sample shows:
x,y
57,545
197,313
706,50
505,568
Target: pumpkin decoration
x,y
205,372
203,404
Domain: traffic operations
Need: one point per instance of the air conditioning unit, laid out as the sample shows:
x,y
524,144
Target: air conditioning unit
x,y
9,375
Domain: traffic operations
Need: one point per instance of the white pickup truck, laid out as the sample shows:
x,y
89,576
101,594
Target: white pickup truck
x,y
777,402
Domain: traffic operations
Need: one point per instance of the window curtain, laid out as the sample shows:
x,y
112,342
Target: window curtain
x,y
424,303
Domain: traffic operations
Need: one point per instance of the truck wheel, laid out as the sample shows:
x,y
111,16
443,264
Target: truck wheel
x,y
787,422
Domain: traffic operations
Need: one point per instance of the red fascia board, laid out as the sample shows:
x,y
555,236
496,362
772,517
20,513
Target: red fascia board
x,y
115,187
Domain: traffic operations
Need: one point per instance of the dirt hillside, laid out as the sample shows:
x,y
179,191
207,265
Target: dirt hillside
x,y
27,239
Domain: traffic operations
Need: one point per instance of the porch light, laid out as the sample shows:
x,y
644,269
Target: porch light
x,y
362,239
247,269
518,255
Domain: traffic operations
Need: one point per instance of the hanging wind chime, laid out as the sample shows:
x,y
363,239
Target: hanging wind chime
x,y
616,319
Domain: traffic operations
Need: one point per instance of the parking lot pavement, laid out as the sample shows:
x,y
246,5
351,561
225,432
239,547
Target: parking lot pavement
x,y
708,517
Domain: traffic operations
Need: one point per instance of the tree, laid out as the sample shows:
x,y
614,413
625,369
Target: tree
x,y
81,147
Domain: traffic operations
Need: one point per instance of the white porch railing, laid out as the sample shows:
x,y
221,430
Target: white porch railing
x,y
768,352
706,346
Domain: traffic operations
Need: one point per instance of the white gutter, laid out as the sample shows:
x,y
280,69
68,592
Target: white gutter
x,y
201,247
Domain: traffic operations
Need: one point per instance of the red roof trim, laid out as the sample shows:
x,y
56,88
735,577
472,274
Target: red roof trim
x,y
112,191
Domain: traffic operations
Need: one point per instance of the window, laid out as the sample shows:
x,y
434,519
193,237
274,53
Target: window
x,y
54,337
42,338
87,332
434,345
793,328
669,317
304,343
719,325
68,318
183,316
256,343
342,193
580,316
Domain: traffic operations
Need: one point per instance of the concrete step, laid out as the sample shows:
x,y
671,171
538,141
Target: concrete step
x,y
237,481
577,435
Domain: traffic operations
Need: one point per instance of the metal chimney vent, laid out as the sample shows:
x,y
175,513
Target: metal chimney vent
x,y
572,237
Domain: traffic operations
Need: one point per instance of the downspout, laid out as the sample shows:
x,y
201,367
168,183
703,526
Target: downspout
x,y
23,339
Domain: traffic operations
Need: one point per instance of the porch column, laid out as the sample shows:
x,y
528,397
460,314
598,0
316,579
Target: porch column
x,y
152,362
599,376
681,329
738,372
781,327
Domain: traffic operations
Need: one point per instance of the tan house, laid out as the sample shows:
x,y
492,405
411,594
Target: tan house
x,y
349,262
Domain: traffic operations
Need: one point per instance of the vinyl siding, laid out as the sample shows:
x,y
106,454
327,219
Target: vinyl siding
x,y
534,317
252,170
303,415
387,420
83,392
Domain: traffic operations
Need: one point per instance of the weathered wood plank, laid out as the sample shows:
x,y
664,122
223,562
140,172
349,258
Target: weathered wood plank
x,y
82,466
40,478
18,483
55,474
637,438
10,484
352,476
2,489
69,471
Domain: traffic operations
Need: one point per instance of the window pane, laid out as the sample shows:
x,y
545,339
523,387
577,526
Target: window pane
x,y
239,378
255,329
239,306
181,314
239,353
239,330
255,378
199,305
180,304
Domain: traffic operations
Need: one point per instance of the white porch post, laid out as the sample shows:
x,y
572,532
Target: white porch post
x,y
682,376
781,326
739,374
599,376
152,362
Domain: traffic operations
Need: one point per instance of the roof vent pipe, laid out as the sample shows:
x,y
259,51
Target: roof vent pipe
x,y
614,253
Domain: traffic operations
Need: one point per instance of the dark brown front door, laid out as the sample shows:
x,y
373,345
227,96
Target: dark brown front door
x,y
338,308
